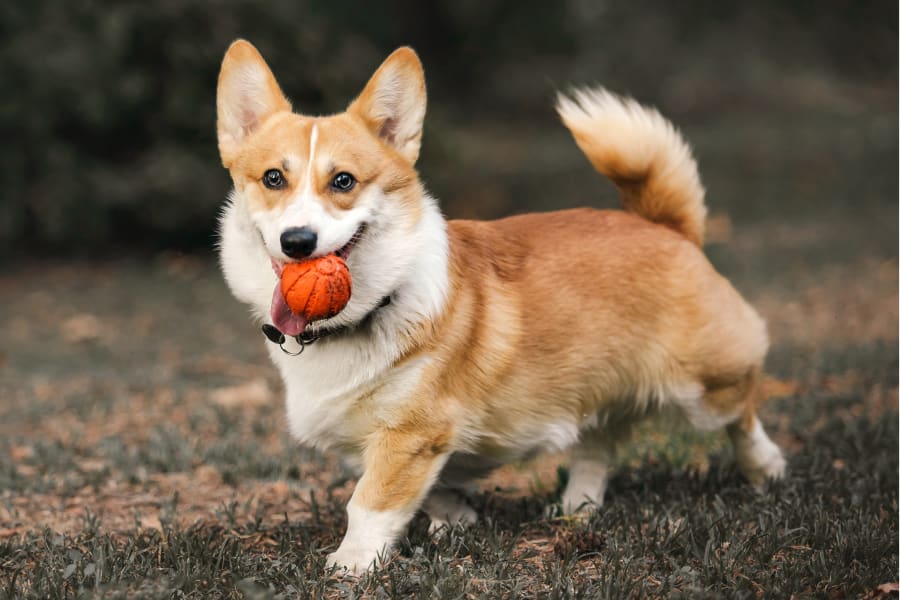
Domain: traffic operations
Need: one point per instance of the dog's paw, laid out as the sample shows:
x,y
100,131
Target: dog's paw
x,y
578,505
771,469
352,561
758,457
566,512
760,461
448,508
462,515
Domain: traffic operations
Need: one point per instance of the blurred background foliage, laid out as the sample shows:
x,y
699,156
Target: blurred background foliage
x,y
108,108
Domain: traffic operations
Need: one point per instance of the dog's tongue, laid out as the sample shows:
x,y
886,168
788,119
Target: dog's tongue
x,y
287,322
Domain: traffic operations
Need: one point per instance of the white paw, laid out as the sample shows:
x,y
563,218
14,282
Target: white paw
x,y
586,488
569,512
463,514
370,537
354,561
771,468
577,503
759,458
447,508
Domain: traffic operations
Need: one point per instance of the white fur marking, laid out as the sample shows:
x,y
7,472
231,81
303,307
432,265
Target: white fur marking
x,y
690,399
558,436
588,471
587,484
308,186
757,455
370,533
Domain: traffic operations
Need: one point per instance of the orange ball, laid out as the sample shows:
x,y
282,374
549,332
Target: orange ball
x,y
317,288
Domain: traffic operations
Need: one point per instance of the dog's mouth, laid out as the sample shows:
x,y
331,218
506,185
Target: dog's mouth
x,y
344,252
285,321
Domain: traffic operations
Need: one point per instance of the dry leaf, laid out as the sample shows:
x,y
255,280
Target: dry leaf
x,y
888,588
82,328
5,533
150,522
17,453
255,392
208,474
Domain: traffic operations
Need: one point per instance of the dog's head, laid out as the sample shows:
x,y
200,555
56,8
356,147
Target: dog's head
x,y
342,184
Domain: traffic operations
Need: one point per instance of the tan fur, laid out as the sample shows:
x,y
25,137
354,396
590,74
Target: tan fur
x,y
553,325
564,314
398,460
587,306
243,68
276,138
643,154
398,86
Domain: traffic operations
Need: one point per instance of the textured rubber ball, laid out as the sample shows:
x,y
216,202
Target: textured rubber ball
x,y
317,288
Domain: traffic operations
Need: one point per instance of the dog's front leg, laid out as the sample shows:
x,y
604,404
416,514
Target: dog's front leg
x,y
400,466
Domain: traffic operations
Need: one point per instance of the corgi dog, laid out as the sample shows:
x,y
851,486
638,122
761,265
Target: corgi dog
x,y
469,344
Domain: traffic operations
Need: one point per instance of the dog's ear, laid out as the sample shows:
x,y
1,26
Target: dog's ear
x,y
392,105
247,94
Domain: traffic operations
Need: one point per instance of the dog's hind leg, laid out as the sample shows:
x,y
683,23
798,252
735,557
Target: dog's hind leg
x,y
447,503
757,456
447,507
592,459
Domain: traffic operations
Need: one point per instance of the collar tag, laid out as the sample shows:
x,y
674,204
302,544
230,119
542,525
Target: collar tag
x,y
310,337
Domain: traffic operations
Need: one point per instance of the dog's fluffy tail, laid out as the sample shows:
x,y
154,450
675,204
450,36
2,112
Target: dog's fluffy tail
x,y
642,153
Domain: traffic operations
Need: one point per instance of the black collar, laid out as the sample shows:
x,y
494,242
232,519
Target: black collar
x,y
308,337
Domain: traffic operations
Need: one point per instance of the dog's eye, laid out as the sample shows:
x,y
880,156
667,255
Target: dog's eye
x,y
343,182
273,179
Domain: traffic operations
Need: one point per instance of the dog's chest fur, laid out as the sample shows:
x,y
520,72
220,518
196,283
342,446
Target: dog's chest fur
x,y
342,390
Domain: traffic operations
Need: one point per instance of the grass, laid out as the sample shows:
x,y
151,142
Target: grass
x,y
667,530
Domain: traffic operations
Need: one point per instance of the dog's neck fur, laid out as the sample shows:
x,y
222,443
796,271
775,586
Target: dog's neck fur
x,y
422,294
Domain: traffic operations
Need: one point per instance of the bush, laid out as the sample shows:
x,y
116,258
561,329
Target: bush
x,y
109,108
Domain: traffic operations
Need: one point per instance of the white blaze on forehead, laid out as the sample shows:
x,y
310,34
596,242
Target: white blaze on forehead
x,y
307,209
313,137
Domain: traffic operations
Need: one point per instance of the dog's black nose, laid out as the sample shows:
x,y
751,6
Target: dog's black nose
x,y
298,242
